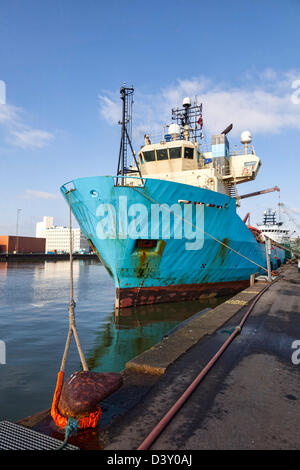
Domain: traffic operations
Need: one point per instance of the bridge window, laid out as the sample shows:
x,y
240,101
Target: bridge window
x,y
175,152
188,152
250,165
162,154
149,156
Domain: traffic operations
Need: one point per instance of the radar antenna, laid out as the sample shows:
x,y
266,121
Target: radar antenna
x,y
126,95
189,117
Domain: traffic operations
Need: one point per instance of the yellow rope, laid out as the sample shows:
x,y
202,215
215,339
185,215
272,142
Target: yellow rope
x,y
197,228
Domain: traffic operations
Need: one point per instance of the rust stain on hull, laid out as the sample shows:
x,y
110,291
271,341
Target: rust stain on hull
x,y
128,297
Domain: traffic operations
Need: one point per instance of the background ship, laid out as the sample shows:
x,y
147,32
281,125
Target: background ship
x,y
166,228
279,232
273,228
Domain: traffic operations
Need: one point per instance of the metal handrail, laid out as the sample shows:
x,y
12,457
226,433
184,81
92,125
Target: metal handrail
x,y
127,176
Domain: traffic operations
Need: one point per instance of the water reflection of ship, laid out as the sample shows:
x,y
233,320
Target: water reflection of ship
x,y
175,312
124,336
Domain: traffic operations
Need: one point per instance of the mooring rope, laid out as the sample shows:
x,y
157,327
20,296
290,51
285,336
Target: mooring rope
x,y
70,430
198,228
71,306
71,424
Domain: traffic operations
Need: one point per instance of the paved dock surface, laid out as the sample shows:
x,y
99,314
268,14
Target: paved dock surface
x,y
251,397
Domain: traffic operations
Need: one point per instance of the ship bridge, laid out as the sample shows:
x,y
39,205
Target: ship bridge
x,y
179,157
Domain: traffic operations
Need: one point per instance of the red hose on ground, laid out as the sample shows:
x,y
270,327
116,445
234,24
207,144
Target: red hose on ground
x,y
172,411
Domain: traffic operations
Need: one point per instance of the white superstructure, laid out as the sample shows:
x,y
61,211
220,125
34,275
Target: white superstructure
x,y
274,229
58,237
179,157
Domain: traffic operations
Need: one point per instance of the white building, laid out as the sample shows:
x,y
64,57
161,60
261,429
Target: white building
x,y
46,223
58,238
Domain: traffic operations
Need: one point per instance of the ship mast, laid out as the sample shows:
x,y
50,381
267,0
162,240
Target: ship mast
x,y
126,95
189,118
269,217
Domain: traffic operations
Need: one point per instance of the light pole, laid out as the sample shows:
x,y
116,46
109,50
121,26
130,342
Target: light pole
x,y
17,230
268,254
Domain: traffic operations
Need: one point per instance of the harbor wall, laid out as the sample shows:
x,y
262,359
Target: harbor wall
x,y
45,256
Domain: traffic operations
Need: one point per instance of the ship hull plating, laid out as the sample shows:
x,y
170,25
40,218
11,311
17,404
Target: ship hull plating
x,y
165,241
132,297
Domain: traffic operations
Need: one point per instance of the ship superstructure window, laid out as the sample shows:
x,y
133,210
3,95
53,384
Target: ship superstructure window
x,y
175,152
250,165
188,152
162,154
149,156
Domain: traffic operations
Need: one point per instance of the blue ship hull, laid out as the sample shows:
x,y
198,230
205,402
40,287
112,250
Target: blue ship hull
x,y
157,253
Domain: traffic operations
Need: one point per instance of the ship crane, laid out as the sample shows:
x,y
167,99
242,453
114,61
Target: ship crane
x,y
257,193
247,216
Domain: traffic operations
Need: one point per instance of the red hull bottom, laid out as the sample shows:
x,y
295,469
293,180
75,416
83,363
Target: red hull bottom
x,y
132,297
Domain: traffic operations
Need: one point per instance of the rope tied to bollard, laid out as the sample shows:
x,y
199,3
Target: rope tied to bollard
x,y
70,430
70,425
72,304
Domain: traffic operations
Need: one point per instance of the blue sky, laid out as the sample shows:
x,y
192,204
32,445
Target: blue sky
x,y
63,63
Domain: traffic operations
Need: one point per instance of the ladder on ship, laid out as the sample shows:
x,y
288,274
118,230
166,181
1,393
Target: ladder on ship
x,y
231,189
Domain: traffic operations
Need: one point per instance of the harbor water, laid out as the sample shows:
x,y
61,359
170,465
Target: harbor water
x,y
34,323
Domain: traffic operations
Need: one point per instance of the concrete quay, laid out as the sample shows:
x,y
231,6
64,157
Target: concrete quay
x,y
248,400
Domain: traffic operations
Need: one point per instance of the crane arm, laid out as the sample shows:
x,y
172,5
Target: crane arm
x,y
257,193
246,217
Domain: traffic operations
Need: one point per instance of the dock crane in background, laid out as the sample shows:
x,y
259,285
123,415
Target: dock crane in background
x,y
256,193
289,212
